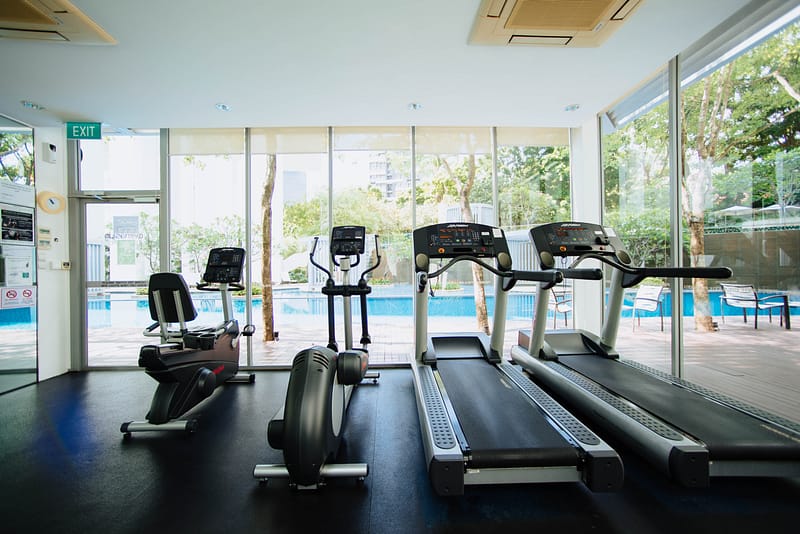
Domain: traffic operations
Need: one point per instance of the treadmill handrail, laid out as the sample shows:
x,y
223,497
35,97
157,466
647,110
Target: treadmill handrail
x,y
530,276
582,274
634,275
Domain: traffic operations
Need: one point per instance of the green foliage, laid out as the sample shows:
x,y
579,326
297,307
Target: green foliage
x,y
148,243
646,235
196,241
533,184
302,219
16,158
299,275
741,118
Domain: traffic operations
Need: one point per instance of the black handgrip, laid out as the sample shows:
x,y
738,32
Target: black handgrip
x,y
550,277
631,279
152,327
205,286
582,274
688,272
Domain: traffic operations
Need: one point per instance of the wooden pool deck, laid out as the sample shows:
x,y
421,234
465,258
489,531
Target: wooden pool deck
x,y
760,367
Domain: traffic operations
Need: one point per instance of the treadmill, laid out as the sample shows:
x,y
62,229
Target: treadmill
x,y
686,431
482,420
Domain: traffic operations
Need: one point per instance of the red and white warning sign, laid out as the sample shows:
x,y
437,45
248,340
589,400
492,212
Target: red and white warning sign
x,y
17,297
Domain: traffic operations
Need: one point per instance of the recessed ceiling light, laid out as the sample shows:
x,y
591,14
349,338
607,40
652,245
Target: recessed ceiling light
x,y
32,105
223,107
572,107
414,106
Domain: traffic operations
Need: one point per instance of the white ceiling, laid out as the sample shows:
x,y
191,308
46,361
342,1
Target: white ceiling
x,y
331,62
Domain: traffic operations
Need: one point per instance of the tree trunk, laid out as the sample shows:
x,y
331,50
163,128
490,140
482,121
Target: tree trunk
x,y
697,181
702,308
266,250
481,313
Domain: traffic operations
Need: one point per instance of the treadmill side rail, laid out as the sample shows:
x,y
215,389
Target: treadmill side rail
x,y
674,454
442,454
603,470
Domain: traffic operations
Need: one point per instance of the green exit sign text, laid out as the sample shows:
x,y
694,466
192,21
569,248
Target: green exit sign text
x,y
83,130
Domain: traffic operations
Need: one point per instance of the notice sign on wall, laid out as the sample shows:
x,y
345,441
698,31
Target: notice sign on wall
x,y
17,297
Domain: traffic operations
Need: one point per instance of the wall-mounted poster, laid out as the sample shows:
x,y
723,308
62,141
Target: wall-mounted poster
x,y
16,225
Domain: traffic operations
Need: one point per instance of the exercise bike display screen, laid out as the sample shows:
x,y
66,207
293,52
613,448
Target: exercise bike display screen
x,y
224,265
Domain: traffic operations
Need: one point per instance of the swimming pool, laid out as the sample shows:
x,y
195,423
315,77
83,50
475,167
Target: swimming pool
x,y
123,310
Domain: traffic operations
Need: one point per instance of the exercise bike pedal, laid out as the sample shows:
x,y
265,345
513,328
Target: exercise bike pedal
x,y
372,375
189,426
242,378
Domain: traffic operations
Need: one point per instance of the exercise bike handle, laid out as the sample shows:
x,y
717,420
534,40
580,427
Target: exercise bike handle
x,y
205,286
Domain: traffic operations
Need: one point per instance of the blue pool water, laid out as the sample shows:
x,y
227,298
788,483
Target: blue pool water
x,y
107,312
396,301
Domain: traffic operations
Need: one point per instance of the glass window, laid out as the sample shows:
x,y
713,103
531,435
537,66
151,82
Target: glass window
x,y
122,248
372,188
121,163
741,202
636,205
533,185
207,194
289,169
454,184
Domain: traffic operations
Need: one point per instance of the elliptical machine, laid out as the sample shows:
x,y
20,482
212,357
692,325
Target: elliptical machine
x,y
309,427
190,364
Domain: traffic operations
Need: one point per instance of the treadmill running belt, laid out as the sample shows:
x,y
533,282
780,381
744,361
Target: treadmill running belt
x,y
502,426
727,433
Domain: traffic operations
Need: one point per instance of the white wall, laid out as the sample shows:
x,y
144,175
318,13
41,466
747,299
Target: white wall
x,y
53,279
586,207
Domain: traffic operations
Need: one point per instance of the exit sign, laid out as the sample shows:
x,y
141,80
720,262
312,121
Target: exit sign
x,y
83,130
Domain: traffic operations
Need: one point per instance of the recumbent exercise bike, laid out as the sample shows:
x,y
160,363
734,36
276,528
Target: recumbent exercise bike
x,y
190,364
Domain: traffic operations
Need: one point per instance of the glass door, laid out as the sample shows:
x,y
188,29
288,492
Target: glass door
x,y
18,314
122,251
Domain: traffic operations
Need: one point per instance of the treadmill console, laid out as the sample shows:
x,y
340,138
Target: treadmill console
x,y
573,239
451,240
224,265
348,240
459,239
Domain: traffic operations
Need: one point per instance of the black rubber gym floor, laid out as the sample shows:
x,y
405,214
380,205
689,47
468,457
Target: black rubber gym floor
x,y
66,468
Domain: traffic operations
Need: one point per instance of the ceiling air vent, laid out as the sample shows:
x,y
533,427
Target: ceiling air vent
x,y
574,23
49,20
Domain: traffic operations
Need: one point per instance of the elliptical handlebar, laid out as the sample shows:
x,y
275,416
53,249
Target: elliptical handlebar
x,y
315,264
363,280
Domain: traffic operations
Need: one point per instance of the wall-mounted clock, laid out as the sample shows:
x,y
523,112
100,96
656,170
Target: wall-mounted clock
x,y
51,202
